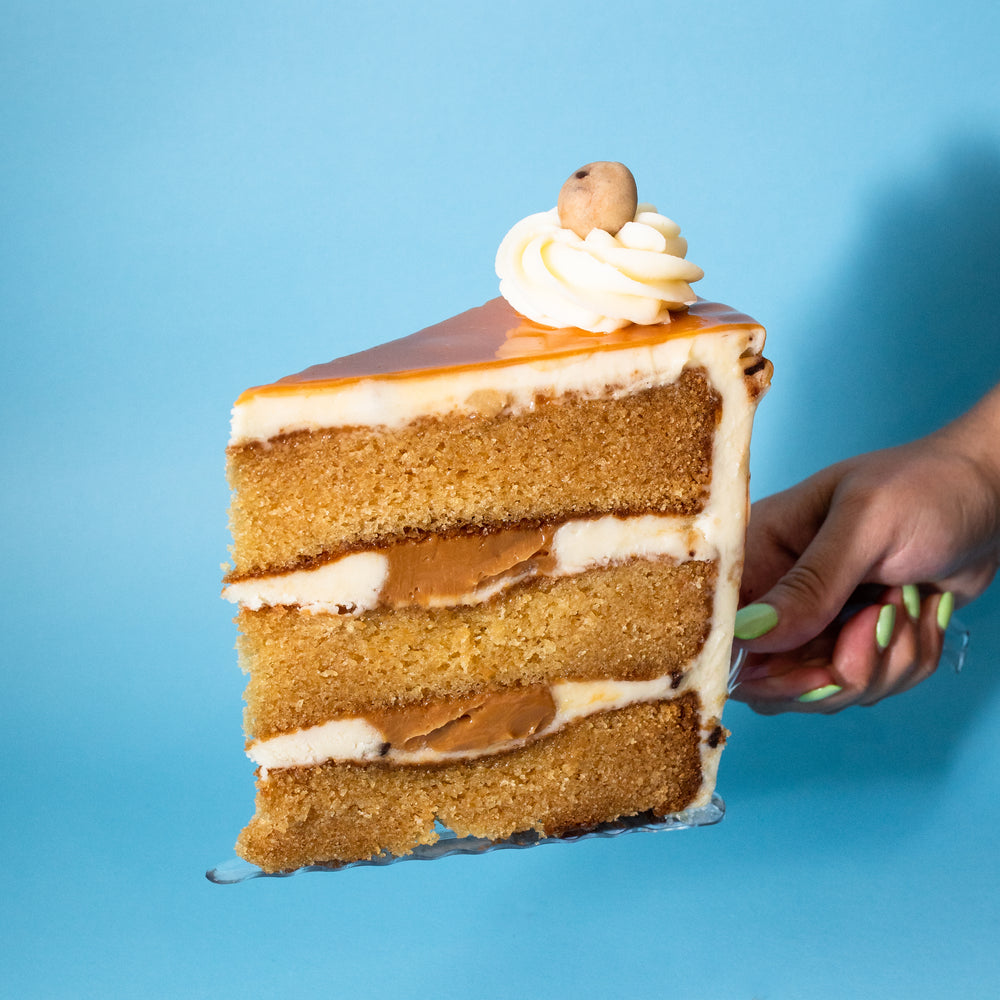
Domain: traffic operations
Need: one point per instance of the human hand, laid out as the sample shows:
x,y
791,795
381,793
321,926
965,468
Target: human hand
x,y
851,576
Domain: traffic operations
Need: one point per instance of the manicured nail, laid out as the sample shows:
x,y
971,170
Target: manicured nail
x,y
818,694
944,609
884,626
754,620
911,601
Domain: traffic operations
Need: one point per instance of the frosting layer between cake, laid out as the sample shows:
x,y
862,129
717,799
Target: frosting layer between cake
x,y
470,569
486,723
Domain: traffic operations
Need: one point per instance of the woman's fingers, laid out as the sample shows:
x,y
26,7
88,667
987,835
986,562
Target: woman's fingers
x,y
932,620
810,593
799,680
871,648
883,649
913,648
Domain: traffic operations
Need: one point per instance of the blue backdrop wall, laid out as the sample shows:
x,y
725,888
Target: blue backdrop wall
x,y
198,197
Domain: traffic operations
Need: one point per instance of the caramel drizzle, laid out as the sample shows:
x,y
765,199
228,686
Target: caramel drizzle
x,y
494,335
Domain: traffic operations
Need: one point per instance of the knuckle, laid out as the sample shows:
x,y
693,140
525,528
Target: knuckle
x,y
804,586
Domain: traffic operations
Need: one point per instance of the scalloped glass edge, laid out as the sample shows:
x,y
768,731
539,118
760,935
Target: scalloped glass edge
x,y
237,870
736,660
956,645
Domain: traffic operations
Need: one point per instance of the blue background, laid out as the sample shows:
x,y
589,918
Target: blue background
x,y
197,197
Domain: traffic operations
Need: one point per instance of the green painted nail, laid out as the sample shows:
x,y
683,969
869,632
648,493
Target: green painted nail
x,y
754,620
818,694
911,601
945,607
884,626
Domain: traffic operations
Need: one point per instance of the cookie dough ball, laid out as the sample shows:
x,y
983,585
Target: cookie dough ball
x,y
599,195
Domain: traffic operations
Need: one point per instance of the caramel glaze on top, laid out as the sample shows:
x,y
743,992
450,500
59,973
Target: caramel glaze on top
x,y
495,335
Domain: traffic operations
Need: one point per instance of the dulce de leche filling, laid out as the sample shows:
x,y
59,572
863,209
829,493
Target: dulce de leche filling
x,y
440,569
468,724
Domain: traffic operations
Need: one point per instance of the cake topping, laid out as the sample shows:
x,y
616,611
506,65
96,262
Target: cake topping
x,y
589,264
599,195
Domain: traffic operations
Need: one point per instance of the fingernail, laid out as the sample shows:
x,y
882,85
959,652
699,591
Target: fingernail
x,y
944,609
911,601
884,626
818,694
754,620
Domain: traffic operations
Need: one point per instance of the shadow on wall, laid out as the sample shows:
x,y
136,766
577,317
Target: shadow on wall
x,y
907,334
906,338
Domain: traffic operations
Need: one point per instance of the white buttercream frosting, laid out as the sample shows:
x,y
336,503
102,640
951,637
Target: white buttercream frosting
x,y
349,585
600,283
394,403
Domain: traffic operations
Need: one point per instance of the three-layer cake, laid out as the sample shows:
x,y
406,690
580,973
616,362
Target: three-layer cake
x,y
487,574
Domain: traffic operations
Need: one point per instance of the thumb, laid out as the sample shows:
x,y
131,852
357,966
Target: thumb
x,y
812,593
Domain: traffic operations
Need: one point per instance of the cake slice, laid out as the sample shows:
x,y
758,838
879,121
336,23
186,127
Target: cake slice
x,y
487,574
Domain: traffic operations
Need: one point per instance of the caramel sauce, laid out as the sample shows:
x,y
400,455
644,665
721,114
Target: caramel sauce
x,y
494,335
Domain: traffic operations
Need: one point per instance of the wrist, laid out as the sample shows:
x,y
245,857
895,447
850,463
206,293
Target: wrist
x,y
977,434
974,438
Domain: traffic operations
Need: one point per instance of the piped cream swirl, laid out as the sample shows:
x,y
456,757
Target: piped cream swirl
x,y
601,283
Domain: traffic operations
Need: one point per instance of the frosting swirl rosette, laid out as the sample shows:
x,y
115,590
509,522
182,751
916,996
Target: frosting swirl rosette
x,y
601,282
